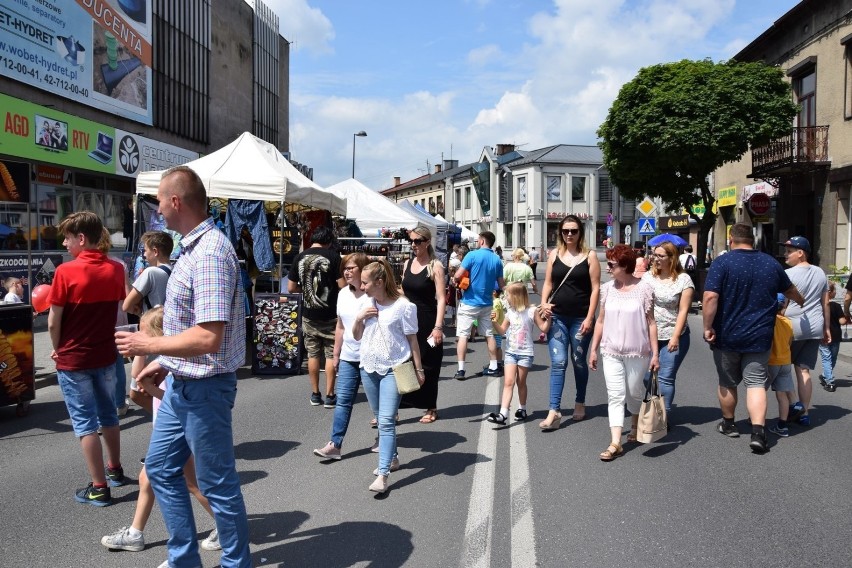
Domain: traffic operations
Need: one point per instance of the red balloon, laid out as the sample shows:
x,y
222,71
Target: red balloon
x,y
41,298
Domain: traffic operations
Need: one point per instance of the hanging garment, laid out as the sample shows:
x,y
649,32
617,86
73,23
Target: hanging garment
x,y
250,214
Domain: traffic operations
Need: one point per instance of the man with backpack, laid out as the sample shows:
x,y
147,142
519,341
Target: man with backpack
x,y
149,289
687,259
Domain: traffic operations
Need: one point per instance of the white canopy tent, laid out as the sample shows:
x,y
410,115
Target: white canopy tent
x,y
250,168
420,215
467,234
371,210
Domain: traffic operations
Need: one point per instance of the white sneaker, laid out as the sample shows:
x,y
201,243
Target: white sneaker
x,y
164,565
122,410
121,540
212,541
329,452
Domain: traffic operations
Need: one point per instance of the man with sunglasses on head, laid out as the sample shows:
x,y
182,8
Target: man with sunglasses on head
x,y
740,302
483,267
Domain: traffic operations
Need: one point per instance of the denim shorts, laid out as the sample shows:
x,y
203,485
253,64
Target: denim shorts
x,y
519,360
90,398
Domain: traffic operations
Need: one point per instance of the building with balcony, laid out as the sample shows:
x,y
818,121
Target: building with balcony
x,y
807,173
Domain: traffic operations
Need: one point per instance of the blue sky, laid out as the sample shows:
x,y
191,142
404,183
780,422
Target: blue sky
x,y
441,79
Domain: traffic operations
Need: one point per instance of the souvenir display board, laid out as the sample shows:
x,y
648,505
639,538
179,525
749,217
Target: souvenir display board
x,y
277,348
395,250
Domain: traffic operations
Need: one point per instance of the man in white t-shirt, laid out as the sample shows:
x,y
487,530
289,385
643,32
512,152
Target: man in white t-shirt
x,y
684,259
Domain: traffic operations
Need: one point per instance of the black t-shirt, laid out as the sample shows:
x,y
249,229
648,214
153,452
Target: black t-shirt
x,y
573,298
316,270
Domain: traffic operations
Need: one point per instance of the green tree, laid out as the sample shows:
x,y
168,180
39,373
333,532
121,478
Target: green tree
x,y
674,123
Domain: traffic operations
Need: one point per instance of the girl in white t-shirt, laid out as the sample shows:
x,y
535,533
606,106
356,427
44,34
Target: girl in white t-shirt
x,y
517,326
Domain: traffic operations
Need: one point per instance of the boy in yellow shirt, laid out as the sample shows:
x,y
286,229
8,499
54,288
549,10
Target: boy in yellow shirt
x,y
780,376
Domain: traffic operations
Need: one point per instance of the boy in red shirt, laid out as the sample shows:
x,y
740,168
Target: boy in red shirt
x,y
81,322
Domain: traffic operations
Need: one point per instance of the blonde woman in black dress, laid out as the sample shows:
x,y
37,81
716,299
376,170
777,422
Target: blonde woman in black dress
x,y
424,284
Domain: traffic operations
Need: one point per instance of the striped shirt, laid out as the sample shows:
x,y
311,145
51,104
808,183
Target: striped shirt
x,y
205,287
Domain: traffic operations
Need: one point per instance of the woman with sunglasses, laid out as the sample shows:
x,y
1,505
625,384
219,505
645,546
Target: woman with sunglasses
x,y
424,284
626,332
569,296
673,289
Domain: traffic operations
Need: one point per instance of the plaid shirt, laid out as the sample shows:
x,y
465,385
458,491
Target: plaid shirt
x,y
205,287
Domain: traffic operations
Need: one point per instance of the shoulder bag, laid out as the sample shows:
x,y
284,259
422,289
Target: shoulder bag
x,y
652,414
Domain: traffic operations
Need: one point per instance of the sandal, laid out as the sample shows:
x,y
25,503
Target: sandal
x,y
631,436
374,423
429,417
611,452
496,418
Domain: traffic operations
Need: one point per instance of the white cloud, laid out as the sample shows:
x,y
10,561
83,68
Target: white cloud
x,y
554,85
305,27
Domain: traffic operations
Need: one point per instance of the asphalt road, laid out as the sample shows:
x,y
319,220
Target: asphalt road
x,y
468,494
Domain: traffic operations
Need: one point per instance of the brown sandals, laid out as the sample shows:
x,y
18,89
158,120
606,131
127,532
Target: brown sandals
x,y
611,452
429,417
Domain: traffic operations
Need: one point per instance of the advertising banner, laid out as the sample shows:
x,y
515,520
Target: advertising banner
x,y
42,134
136,154
95,52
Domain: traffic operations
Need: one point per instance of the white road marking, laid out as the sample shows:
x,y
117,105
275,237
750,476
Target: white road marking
x,y
476,549
523,528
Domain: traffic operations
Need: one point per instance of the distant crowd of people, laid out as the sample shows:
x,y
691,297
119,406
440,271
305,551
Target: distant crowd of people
x,y
765,326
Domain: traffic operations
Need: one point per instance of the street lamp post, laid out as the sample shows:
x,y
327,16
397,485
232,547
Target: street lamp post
x,y
361,133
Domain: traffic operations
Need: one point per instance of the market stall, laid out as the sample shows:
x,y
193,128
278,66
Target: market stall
x,y
250,170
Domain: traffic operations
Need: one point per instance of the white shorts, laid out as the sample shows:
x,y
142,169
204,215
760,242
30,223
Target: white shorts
x,y
469,314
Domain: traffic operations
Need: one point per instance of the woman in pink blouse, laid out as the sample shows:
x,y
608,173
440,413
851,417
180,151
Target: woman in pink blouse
x,y
627,335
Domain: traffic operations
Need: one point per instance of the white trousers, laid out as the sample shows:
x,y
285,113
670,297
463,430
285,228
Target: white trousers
x,y
625,384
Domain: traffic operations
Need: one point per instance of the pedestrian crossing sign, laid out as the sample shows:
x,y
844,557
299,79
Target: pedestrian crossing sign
x,y
648,226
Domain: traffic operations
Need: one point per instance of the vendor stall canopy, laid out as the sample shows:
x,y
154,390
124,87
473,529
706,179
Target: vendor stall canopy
x,y
250,168
371,210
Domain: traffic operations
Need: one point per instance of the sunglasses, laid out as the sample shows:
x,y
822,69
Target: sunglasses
x,y
610,264
418,241
570,231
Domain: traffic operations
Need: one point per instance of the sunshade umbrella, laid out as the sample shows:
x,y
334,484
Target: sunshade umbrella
x,y
667,237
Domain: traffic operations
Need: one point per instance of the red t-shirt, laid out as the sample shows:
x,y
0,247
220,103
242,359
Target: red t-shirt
x,y
88,289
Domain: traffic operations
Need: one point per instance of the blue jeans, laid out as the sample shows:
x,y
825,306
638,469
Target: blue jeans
x,y
561,342
120,381
89,398
384,400
195,417
828,354
348,379
669,364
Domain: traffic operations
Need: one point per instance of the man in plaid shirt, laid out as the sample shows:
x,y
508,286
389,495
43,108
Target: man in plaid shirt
x,y
202,346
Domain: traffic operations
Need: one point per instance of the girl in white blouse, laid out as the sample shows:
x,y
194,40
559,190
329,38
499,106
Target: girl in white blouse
x,y
387,330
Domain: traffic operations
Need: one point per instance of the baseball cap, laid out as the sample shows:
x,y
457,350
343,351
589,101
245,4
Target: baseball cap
x,y
799,243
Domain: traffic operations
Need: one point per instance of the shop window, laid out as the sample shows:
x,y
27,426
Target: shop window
x,y
554,188
507,235
578,188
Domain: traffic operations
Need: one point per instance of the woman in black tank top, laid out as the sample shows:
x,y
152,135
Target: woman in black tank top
x,y
424,284
569,296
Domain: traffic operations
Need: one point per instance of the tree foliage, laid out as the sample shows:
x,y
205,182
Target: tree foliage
x,y
674,123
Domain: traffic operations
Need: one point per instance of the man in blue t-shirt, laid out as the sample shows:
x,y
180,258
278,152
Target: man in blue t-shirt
x,y
740,301
483,268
